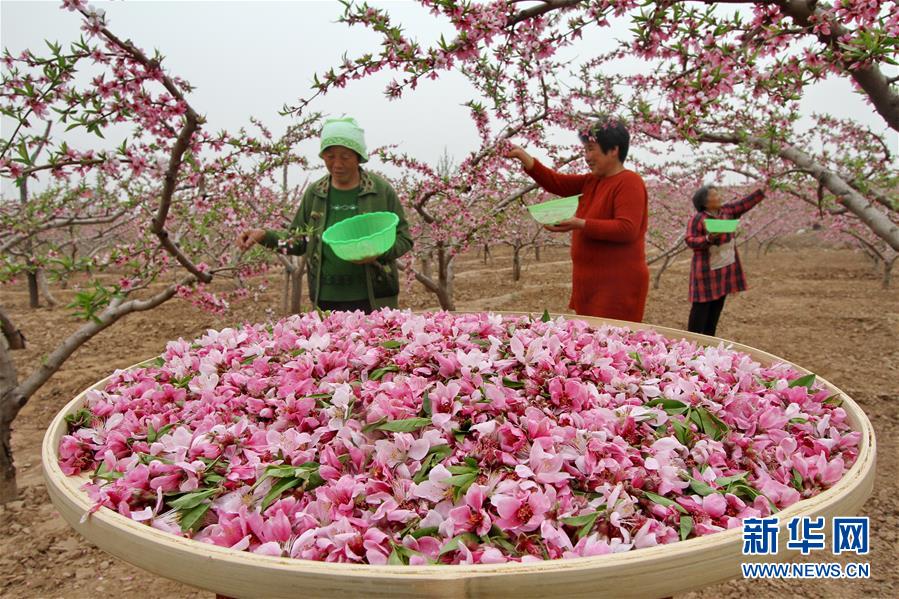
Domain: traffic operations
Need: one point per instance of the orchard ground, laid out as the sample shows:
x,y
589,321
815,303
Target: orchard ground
x,y
822,308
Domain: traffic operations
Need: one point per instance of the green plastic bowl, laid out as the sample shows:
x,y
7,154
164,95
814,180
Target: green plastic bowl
x,y
362,236
554,211
715,225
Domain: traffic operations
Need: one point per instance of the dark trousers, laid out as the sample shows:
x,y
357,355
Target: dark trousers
x,y
350,306
704,316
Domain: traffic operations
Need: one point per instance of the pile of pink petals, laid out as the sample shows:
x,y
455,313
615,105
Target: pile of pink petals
x,y
402,438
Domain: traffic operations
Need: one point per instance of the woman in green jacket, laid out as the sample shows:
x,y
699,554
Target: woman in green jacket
x,y
345,191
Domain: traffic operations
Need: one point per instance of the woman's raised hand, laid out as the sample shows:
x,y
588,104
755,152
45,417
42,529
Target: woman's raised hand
x,y
249,237
526,160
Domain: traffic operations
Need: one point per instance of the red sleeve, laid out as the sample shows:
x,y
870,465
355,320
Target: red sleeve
x,y
696,234
557,183
739,207
628,212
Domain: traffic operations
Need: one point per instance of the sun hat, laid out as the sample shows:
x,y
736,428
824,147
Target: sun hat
x,y
344,132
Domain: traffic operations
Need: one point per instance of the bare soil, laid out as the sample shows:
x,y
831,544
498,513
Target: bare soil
x,y
820,307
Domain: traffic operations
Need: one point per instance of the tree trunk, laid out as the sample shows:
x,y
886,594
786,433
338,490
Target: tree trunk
x,y
657,279
875,261
486,253
8,410
426,261
296,284
888,273
285,291
516,264
537,253
8,489
44,289
13,337
443,286
445,264
34,300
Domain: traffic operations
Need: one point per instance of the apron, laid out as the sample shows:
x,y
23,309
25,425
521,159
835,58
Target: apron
x,y
722,255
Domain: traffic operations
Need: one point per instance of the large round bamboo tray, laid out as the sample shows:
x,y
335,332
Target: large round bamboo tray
x,y
652,572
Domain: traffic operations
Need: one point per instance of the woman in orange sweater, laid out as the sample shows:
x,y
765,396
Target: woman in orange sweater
x,y
609,273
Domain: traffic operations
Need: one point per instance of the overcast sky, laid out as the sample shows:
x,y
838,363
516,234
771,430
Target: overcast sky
x,y
249,58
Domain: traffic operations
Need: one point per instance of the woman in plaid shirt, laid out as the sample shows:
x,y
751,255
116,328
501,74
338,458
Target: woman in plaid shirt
x,y
715,270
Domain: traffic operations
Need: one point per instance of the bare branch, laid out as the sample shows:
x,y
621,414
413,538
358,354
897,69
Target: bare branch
x,y
868,76
191,124
540,9
59,223
112,314
673,250
14,337
879,223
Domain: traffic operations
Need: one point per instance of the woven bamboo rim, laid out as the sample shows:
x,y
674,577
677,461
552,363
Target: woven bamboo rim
x,y
651,572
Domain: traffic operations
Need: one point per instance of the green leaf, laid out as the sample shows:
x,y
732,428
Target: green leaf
x,y
404,426
277,489
460,435
546,317
585,522
376,375
191,519
461,485
797,480
165,429
193,499
693,416
441,451
804,381
671,406
373,425
106,474
461,480
280,471
151,433
635,356
743,490
686,527
434,457
711,424
428,531
478,341
580,520
503,543
393,344
395,559
426,465
701,487
453,544
463,469
507,382
159,362
664,501
834,400
306,469
81,418
426,407
727,480
213,478
682,432
306,473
